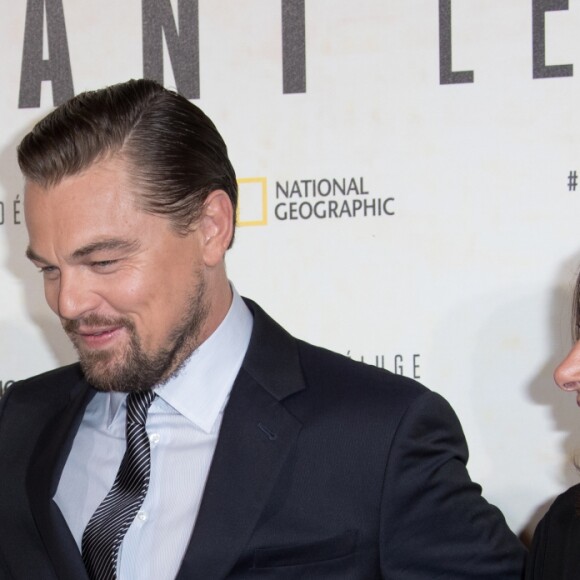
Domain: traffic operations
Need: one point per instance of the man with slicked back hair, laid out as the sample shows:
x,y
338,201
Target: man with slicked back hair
x,y
195,439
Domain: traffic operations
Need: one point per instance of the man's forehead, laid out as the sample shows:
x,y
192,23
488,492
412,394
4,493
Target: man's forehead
x,y
96,204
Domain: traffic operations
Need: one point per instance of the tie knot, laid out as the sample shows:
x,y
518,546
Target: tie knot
x,y
138,404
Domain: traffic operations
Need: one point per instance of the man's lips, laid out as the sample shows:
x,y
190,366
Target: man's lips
x,y
96,337
96,331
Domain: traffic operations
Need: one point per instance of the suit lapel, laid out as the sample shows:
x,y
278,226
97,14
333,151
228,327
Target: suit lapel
x,y
256,438
46,466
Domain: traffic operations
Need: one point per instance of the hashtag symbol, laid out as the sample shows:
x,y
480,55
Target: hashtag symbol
x,y
572,181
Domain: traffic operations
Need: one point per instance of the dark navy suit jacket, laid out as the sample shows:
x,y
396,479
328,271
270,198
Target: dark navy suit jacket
x,y
324,469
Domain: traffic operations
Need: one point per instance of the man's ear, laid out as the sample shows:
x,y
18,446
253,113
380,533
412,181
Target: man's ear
x,y
216,226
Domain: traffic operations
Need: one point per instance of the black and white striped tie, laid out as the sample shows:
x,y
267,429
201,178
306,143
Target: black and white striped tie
x,y
109,524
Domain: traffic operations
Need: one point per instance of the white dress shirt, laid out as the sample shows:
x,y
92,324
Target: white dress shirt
x,y
183,426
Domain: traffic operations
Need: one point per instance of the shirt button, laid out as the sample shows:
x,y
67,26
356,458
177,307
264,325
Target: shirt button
x,y
142,515
154,438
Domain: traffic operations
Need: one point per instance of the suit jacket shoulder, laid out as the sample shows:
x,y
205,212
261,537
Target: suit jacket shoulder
x,y
45,387
282,363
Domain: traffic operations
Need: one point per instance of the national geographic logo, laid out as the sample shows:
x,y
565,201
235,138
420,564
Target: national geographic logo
x,y
253,201
328,198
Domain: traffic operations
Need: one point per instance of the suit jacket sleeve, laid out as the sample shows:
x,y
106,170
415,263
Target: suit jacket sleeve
x,y
435,523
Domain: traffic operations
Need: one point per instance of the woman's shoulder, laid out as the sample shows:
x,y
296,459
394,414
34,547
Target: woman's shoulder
x,y
566,507
555,551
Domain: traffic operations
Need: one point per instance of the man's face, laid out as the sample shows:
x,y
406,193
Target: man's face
x,y
129,291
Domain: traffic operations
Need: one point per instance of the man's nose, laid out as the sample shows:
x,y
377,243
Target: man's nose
x,y
76,298
567,373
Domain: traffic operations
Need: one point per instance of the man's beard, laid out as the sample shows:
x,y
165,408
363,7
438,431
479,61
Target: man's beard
x,y
140,371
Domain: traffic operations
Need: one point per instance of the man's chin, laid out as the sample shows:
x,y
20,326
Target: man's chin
x,y
102,379
110,375
103,372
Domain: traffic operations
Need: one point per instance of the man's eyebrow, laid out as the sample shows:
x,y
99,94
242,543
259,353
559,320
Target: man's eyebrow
x,y
84,251
111,244
33,256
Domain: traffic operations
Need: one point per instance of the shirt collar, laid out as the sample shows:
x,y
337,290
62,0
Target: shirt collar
x,y
201,388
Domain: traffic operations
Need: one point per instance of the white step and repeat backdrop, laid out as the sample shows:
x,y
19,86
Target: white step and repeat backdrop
x,y
408,181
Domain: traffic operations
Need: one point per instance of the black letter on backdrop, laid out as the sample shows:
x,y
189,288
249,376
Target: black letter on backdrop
x,y
57,67
182,46
293,46
541,71
446,75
